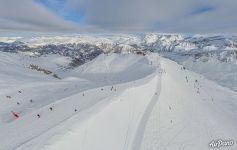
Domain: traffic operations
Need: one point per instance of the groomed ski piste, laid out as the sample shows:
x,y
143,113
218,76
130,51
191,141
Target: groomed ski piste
x,y
114,102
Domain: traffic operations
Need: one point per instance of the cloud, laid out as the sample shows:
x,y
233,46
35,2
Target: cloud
x,y
202,9
159,15
27,15
217,17
186,16
58,7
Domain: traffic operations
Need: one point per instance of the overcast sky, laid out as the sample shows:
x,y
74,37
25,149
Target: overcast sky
x,y
89,16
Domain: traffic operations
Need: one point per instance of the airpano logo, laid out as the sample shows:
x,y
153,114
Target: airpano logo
x,y
221,143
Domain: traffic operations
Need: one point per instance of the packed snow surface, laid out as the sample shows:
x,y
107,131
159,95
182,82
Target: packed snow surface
x,y
114,102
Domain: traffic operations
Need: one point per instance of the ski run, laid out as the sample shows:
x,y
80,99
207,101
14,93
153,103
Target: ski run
x,y
114,102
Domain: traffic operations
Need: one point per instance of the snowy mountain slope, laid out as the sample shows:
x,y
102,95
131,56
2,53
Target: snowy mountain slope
x,y
29,92
219,50
115,92
219,66
64,45
190,113
189,118
115,102
114,68
110,127
167,42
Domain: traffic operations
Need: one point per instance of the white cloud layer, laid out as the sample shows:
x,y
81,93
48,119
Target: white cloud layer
x,y
186,16
27,15
160,15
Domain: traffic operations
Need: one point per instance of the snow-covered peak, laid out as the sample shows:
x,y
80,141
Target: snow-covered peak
x,y
158,42
9,39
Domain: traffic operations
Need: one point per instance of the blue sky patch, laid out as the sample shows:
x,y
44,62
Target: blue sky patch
x,y
201,10
58,7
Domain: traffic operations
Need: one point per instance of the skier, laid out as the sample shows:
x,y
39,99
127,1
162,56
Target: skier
x,y
75,110
16,116
186,78
212,99
198,91
31,101
38,115
18,103
51,109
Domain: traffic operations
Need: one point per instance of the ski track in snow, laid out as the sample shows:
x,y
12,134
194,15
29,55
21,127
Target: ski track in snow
x,y
188,120
141,128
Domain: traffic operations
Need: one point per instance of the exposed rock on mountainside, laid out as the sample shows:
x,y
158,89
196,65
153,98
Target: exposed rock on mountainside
x,y
218,50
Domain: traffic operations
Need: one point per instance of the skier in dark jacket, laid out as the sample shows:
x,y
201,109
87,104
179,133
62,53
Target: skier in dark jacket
x,y
38,115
